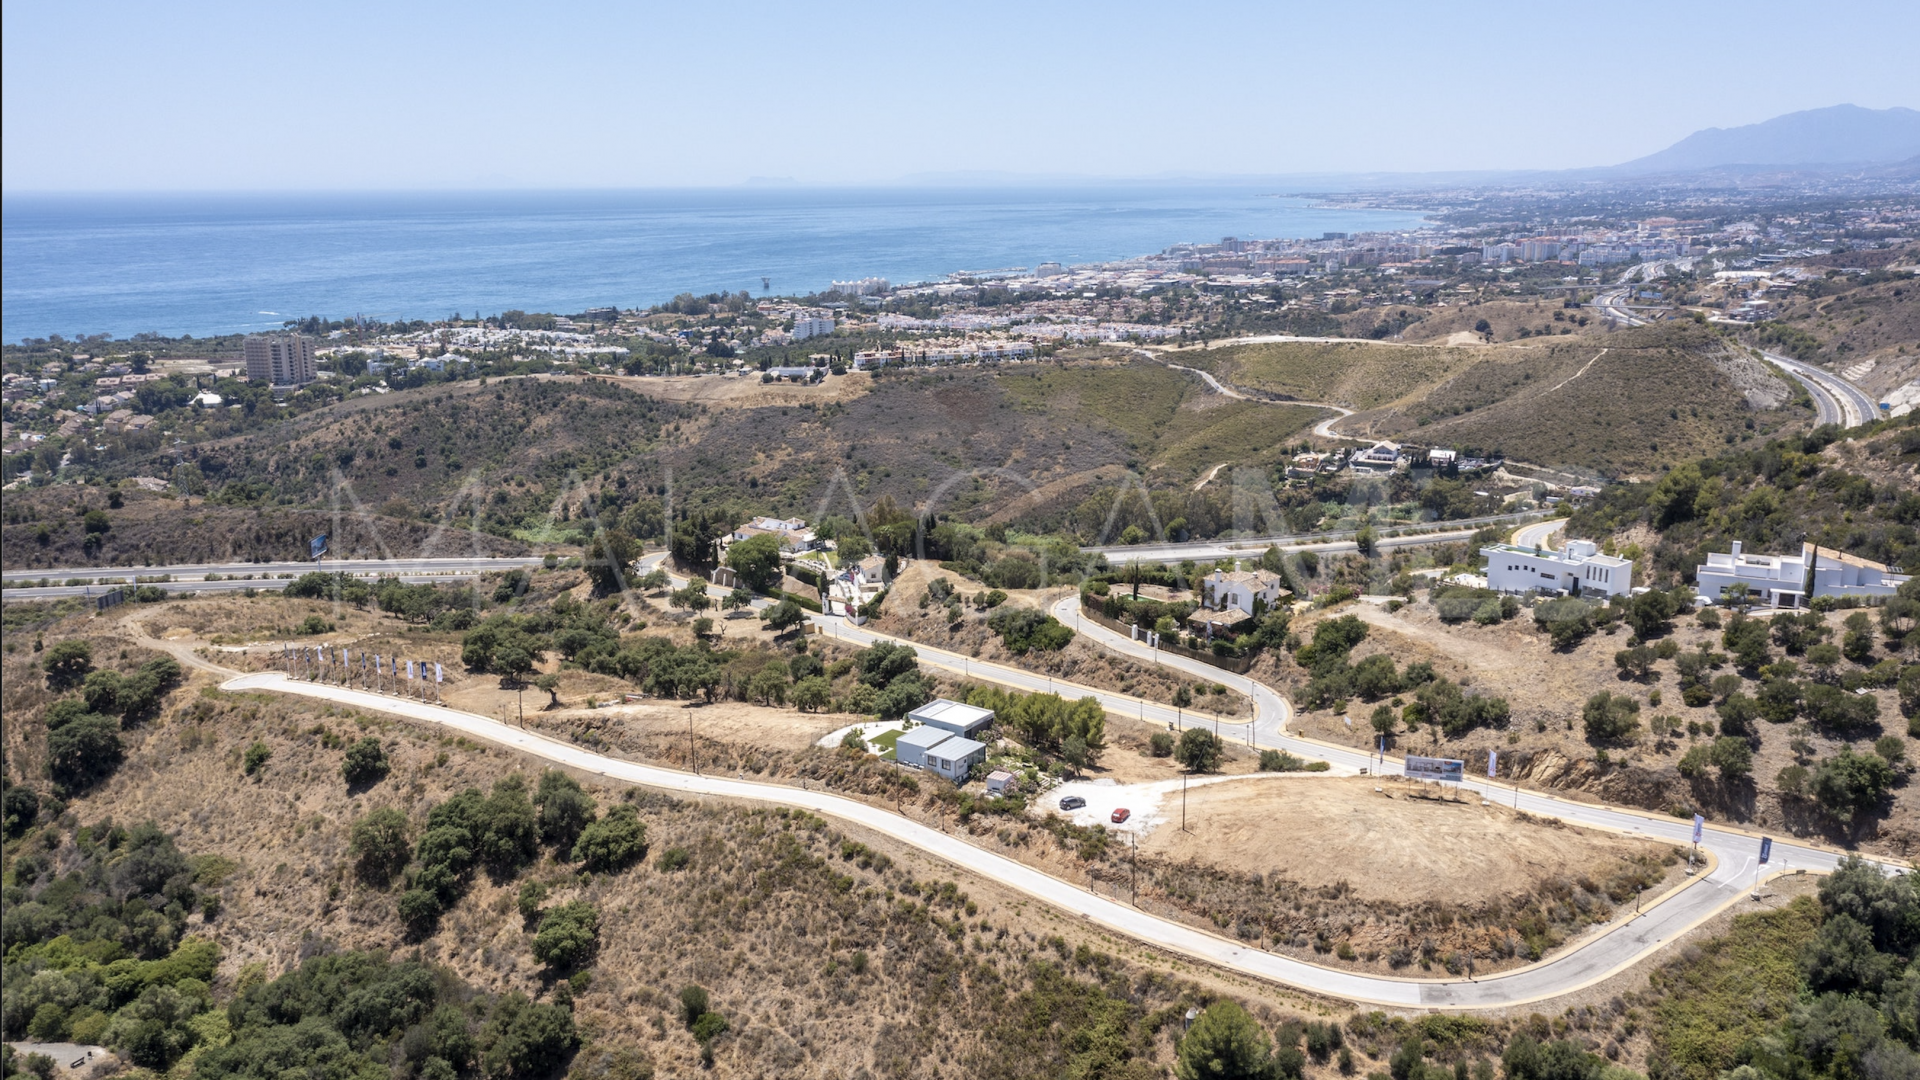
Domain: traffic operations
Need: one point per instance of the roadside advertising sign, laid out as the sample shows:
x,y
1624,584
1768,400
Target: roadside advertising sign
x,y
1445,770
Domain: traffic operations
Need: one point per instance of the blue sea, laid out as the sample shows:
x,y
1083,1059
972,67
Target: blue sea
x,y
222,264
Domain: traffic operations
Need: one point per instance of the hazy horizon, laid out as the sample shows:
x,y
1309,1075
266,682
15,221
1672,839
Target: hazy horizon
x,y
207,97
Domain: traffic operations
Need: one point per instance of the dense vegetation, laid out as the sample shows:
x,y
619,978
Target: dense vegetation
x,y
97,954
1821,991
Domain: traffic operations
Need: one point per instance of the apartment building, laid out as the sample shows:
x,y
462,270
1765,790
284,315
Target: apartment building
x,y
280,359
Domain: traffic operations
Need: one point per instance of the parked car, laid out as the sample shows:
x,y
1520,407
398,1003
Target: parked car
x,y
1072,802
1121,815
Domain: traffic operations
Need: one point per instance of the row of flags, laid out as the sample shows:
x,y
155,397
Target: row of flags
x,y
387,665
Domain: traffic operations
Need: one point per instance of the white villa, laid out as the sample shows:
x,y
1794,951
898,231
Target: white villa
x,y
1241,591
1791,580
1576,567
793,533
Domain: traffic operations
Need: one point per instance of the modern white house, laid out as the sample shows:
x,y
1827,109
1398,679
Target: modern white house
x,y
952,716
939,751
1792,580
1242,590
1577,567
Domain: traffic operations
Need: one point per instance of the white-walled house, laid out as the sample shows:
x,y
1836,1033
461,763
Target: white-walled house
x,y
1239,591
1785,580
1577,567
793,534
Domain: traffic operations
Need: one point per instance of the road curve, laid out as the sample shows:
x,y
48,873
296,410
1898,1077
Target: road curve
x,y
1324,428
1540,534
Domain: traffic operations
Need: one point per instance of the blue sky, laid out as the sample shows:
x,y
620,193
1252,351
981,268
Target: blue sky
x,y
103,95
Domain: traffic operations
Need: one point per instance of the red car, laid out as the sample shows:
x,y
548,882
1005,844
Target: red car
x,y
1121,815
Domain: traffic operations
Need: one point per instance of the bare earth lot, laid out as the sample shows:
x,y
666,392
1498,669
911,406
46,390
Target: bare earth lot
x,y
1385,840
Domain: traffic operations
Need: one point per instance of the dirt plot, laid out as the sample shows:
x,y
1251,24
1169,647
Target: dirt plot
x,y
1385,839
727,721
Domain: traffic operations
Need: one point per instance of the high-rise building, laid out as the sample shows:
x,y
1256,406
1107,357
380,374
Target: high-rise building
x,y
280,359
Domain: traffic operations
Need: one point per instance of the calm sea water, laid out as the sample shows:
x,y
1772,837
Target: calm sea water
x,y
207,265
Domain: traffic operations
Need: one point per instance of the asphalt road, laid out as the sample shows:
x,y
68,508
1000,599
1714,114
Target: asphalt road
x,y
1835,400
1839,401
352,566
1539,534
233,577
1595,959
1321,542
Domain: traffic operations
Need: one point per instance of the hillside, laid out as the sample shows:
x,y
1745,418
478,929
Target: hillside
x,y
520,460
1617,404
1863,325
1622,404
1352,374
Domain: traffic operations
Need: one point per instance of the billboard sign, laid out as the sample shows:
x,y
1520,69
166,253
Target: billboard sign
x,y
1445,770
317,546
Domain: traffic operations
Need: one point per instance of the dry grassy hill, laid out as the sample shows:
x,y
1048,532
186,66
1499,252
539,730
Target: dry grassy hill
x,y
520,459
1353,374
1613,403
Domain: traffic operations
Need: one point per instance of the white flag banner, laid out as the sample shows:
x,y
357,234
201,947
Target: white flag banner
x,y
409,671
1493,757
439,674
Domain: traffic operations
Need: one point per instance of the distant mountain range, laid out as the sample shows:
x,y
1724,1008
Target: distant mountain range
x,y
1817,138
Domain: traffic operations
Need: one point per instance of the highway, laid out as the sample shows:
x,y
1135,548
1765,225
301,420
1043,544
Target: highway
x,y
1388,536
1835,400
232,577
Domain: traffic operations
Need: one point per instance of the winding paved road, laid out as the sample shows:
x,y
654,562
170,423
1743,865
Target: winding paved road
x,y
1540,534
1731,867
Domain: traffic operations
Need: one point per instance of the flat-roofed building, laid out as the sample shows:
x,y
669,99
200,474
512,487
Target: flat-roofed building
x,y
952,716
1792,580
1577,567
280,359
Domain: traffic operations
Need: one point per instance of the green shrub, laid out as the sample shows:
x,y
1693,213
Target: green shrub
x,y
256,757
569,936
612,843
365,763
380,845
1280,761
